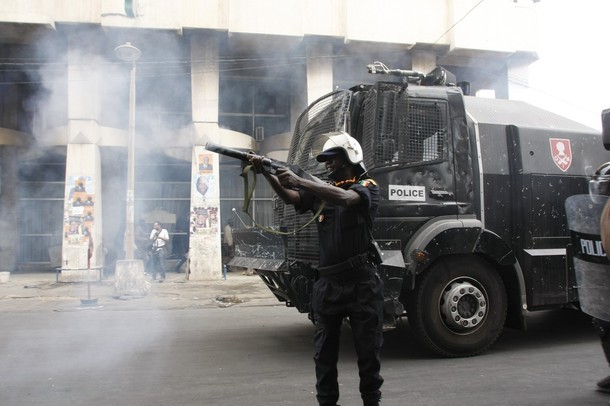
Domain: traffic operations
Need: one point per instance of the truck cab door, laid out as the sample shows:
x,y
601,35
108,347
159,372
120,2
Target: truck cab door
x,y
420,156
423,166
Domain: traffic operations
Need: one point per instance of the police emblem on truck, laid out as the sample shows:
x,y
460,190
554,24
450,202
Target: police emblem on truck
x,y
561,151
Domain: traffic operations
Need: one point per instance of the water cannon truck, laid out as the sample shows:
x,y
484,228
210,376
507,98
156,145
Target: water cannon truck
x,y
471,222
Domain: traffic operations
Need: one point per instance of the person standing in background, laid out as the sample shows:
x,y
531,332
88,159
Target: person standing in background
x,y
227,242
159,237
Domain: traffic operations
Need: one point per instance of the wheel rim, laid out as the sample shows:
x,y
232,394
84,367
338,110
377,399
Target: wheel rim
x,y
463,305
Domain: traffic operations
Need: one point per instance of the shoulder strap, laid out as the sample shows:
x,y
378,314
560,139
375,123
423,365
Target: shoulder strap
x,y
249,192
374,249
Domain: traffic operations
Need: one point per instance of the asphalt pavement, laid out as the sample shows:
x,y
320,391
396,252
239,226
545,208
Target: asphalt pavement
x,y
231,343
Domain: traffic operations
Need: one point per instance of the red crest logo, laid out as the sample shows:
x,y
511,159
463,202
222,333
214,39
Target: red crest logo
x,y
561,151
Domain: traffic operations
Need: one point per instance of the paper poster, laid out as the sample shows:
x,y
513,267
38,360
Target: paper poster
x,y
79,213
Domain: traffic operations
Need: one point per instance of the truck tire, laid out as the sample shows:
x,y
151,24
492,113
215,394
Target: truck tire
x,y
459,307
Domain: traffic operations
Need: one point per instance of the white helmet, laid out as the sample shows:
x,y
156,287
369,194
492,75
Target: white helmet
x,y
341,141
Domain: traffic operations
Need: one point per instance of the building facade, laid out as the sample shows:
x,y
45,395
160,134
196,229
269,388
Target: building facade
x,y
232,72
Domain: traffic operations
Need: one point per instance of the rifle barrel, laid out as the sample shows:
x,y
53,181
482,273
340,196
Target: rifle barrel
x,y
243,156
233,153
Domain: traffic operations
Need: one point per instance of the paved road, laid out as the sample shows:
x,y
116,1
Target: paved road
x,y
258,353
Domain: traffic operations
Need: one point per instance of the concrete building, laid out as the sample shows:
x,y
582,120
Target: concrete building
x,y
234,72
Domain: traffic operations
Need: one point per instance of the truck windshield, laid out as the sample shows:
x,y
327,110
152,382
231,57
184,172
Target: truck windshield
x,y
325,115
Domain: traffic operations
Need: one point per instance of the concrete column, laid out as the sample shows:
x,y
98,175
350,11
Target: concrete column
x,y
82,242
85,73
204,250
205,79
8,208
423,61
319,70
82,212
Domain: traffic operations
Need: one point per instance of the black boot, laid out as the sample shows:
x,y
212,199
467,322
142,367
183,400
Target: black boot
x,y
604,385
603,329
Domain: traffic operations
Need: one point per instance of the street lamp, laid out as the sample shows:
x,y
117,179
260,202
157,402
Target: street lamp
x,y
129,53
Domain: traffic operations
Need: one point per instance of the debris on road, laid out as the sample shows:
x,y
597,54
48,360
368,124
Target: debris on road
x,y
223,301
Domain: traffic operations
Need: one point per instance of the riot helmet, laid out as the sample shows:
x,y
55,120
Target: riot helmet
x,y
342,142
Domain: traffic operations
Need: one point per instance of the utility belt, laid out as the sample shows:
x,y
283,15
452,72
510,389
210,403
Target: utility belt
x,y
354,262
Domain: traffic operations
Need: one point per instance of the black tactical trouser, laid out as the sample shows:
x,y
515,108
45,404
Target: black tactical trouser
x,y
359,298
603,329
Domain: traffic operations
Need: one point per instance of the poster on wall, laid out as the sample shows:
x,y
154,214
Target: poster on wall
x,y
205,180
79,209
205,197
204,226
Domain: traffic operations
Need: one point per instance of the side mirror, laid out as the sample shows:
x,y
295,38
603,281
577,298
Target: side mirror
x,y
606,128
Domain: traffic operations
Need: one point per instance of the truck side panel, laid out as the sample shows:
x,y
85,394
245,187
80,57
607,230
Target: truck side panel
x,y
524,190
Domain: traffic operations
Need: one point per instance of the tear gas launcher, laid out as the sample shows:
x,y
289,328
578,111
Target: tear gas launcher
x,y
245,157
272,166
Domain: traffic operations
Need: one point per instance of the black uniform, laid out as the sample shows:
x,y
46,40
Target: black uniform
x,y
348,286
603,329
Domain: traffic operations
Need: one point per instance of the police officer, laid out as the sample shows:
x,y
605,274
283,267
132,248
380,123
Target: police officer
x,y
159,237
348,285
600,185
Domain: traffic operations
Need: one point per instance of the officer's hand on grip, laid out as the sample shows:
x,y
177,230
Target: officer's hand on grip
x,y
287,178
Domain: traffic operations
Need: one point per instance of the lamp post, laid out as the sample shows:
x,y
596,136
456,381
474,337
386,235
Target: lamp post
x,y
129,53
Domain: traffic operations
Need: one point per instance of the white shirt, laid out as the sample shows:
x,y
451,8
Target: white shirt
x,y
160,241
228,237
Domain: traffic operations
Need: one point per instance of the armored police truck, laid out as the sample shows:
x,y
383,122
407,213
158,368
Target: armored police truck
x,y
471,222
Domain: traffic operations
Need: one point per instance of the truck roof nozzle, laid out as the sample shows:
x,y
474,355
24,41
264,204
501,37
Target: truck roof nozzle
x,y
380,68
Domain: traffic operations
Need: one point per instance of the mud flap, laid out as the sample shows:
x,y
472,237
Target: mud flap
x,y
392,271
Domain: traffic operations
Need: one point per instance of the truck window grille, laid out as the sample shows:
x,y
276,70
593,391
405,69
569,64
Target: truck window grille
x,y
426,127
327,114
405,130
